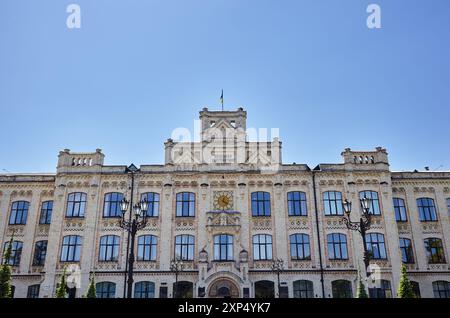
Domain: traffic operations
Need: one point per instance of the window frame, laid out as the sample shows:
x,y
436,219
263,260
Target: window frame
x,y
19,212
183,204
153,203
303,287
40,253
440,252
138,290
73,249
108,289
74,202
302,245
297,207
331,206
427,213
185,243
225,249
339,245
33,291
406,251
335,291
375,206
400,211
16,253
109,248
45,216
147,250
111,205
443,289
371,243
265,246
261,204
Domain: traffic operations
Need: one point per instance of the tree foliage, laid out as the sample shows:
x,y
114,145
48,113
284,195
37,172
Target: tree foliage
x,y
5,272
61,290
91,293
405,289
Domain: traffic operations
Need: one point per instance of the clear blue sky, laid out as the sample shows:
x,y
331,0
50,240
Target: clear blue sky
x,y
138,69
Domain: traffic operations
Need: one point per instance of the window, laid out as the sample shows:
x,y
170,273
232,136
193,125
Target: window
x,y
16,253
46,212
384,291
448,206
264,289
342,289
375,245
40,251
435,251
260,203
300,248
76,205
262,247
337,246
303,289
71,248
406,250
416,289
109,248
33,291
184,247
105,290
144,290
400,210
223,247
19,212
441,289
147,245
153,203
427,210
332,201
297,203
111,207
185,204
374,202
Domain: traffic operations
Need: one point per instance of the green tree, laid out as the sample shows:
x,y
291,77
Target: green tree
x,y
61,290
91,293
405,289
5,272
361,288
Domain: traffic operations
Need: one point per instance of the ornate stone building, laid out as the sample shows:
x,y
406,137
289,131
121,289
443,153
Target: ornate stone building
x,y
227,207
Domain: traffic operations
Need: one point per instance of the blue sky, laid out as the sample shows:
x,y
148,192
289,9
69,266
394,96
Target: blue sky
x,y
138,69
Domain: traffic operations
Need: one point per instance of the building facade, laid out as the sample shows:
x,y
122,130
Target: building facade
x,y
227,207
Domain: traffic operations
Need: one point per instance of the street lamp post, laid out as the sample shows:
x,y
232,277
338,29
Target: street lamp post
x,y
176,265
362,226
277,266
132,226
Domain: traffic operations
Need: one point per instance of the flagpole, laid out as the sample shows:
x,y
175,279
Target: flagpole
x,y
222,99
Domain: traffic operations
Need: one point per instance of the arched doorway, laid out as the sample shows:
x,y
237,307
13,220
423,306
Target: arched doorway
x,y
223,288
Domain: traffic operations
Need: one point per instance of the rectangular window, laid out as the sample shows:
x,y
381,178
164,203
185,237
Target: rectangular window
x,y
337,246
40,251
400,210
260,203
297,203
109,248
434,250
406,250
147,246
374,208
184,247
33,291
16,253
223,247
71,249
76,205
332,201
185,204
375,245
262,247
427,209
46,212
19,212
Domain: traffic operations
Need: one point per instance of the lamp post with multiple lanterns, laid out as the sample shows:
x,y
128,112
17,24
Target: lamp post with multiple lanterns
x,y
277,266
176,266
362,226
132,225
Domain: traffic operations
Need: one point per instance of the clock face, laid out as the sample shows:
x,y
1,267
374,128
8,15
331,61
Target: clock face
x,y
223,200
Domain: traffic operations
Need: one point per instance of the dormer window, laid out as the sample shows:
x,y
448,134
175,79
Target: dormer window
x,y
212,123
233,124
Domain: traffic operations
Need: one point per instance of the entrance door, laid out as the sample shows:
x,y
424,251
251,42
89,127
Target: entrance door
x,y
223,288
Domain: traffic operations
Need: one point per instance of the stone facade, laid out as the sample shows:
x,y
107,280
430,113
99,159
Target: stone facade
x,y
222,189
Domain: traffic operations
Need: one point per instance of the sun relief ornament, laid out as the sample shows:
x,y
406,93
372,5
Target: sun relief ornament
x,y
223,200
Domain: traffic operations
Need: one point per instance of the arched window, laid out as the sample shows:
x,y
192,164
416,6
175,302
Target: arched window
x,y
111,206
147,246
19,212
144,290
374,202
400,210
40,251
300,249
406,250
16,252
332,202
264,289
383,290
153,203
337,246
342,289
416,289
441,289
184,247
303,289
375,245
33,291
76,205
297,203
109,248
185,204
223,247
262,247
46,212
427,209
434,250
260,203
71,248
105,290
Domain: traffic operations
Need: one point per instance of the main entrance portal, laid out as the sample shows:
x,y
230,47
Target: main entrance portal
x,y
223,288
